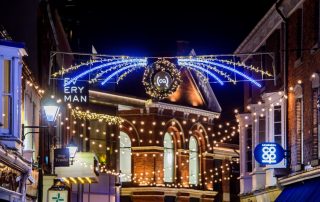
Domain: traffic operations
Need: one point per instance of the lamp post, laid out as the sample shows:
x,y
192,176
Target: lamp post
x,y
72,150
50,109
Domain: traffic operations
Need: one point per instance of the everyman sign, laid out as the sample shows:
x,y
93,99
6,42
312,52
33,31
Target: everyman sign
x,y
75,92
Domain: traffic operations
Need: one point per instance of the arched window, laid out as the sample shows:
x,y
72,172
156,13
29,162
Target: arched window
x,y
193,161
168,159
125,157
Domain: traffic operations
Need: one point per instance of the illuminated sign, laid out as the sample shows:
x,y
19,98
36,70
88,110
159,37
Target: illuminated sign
x,y
268,153
58,196
162,80
75,92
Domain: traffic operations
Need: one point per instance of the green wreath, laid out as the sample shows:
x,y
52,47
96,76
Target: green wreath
x,y
167,68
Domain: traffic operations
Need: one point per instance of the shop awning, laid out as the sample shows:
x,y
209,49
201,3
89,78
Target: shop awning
x,y
308,190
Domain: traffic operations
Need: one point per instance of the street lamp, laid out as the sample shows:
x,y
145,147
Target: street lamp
x,y
51,109
72,150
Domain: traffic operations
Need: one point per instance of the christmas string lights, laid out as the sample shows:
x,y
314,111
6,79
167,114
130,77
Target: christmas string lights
x,y
196,61
133,66
102,72
191,65
241,64
64,71
87,115
133,61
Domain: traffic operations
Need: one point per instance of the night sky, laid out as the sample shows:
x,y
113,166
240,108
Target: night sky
x,y
152,29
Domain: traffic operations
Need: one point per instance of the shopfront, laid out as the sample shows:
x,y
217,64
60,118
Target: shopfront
x,y
14,175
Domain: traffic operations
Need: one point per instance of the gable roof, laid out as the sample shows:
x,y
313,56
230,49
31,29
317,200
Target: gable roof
x,y
194,92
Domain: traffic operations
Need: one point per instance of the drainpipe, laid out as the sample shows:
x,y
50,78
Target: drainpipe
x,y
285,73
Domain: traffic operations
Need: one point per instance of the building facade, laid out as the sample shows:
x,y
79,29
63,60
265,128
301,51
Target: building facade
x,y
16,167
170,150
286,109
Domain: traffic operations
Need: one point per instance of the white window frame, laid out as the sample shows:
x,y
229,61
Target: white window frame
x,y
125,150
168,153
197,168
5,131
14,54
273,99
281,122
14,94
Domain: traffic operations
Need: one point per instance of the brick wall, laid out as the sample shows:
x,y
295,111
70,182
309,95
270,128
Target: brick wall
x,y
309,64
299,68
147,156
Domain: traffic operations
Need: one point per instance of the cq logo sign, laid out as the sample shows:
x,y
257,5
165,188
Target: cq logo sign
x,y
162,80
268,153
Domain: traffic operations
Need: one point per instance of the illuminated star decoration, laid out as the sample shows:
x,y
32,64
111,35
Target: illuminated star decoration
x,y
106,69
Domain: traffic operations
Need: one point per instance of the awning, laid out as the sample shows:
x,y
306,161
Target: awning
x,y
308,190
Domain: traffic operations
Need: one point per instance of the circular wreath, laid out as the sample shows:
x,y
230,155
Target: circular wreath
x,y
152,70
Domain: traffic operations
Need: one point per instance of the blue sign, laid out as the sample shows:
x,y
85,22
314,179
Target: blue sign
x,y
268,153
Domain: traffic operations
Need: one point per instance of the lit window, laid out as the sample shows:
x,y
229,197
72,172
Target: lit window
x,y
125,157
6,96
168,160
193,161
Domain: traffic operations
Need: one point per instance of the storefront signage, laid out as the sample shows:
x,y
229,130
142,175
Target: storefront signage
x,y
162,80
58,196
268,153
75,92
61,157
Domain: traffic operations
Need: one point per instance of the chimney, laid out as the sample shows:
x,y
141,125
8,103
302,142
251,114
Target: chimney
x,y
183,48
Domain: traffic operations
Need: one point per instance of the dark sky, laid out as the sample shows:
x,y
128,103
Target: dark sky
x,y
152,29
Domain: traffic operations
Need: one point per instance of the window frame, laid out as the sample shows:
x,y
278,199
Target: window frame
x,y
279,108
15,55
249,152
9,130
172,154
126,178
298,92
315,123
194,139
315,118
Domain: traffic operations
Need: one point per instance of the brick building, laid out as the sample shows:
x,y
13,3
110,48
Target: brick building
x,y
169,151
285,110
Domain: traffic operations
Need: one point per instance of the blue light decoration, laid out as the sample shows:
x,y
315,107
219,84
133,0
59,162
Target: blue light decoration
x,y
269,153
209,63
182,63
103,70
129,68
126,62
